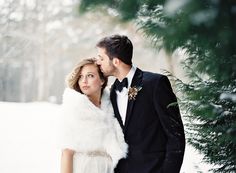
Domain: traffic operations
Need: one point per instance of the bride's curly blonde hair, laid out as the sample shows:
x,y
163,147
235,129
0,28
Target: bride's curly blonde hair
x,y
73,77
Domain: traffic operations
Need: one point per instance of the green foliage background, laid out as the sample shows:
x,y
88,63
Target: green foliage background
x,y
206,31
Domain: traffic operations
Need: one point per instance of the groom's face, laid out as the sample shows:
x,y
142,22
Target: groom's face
x,y
104,62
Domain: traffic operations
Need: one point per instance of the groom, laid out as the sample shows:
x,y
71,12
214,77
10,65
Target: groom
x,y
152,128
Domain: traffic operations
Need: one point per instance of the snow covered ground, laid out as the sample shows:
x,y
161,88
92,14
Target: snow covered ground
x,y
28,140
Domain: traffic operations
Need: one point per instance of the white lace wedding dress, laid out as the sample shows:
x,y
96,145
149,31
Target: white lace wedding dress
x,y
84,163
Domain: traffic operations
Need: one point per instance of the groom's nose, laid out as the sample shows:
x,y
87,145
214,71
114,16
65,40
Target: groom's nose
x,y
98,61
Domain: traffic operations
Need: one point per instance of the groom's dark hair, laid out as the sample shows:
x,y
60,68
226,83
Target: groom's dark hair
x,y
118,46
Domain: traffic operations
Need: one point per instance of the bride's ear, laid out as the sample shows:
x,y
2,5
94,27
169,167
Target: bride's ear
x,y
102,82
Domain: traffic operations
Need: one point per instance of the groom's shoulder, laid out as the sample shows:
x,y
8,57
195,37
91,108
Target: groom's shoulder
x,y
152,76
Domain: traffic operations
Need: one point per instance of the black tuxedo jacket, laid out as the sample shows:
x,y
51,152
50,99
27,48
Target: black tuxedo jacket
x,y
153,129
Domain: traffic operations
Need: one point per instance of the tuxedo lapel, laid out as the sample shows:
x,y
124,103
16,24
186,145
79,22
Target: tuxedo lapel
x,y
115,107
136,82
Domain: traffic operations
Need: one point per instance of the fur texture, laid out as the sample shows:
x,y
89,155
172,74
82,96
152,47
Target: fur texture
x,y
85,127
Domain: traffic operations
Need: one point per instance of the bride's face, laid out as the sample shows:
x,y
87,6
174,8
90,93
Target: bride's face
x,y
89,81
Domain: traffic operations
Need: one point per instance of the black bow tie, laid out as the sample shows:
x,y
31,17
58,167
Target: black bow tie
x,y
119,85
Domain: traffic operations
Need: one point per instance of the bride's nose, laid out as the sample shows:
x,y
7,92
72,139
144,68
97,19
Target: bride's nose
x,y
84,79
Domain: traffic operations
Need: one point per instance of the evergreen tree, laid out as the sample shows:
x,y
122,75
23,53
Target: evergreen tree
x,y
206,31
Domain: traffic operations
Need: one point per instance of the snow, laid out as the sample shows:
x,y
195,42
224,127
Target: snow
x,y
28,140
228,96
27,143
53,25
172,6
203,17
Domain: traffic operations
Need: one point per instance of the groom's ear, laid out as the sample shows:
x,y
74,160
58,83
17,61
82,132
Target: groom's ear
x,y
116,61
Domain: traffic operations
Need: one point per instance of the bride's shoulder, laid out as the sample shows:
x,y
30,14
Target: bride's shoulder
x,y
105,101
71,95
75,101
106,93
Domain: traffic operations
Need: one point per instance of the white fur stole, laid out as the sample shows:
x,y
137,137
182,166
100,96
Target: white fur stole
x,y
85,127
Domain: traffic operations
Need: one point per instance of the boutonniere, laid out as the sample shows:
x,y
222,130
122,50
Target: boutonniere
x,y
133,92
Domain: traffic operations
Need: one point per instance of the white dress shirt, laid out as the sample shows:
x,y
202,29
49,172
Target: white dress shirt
x,y
122,97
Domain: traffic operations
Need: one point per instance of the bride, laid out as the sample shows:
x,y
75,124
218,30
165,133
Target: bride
x,y
91,138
